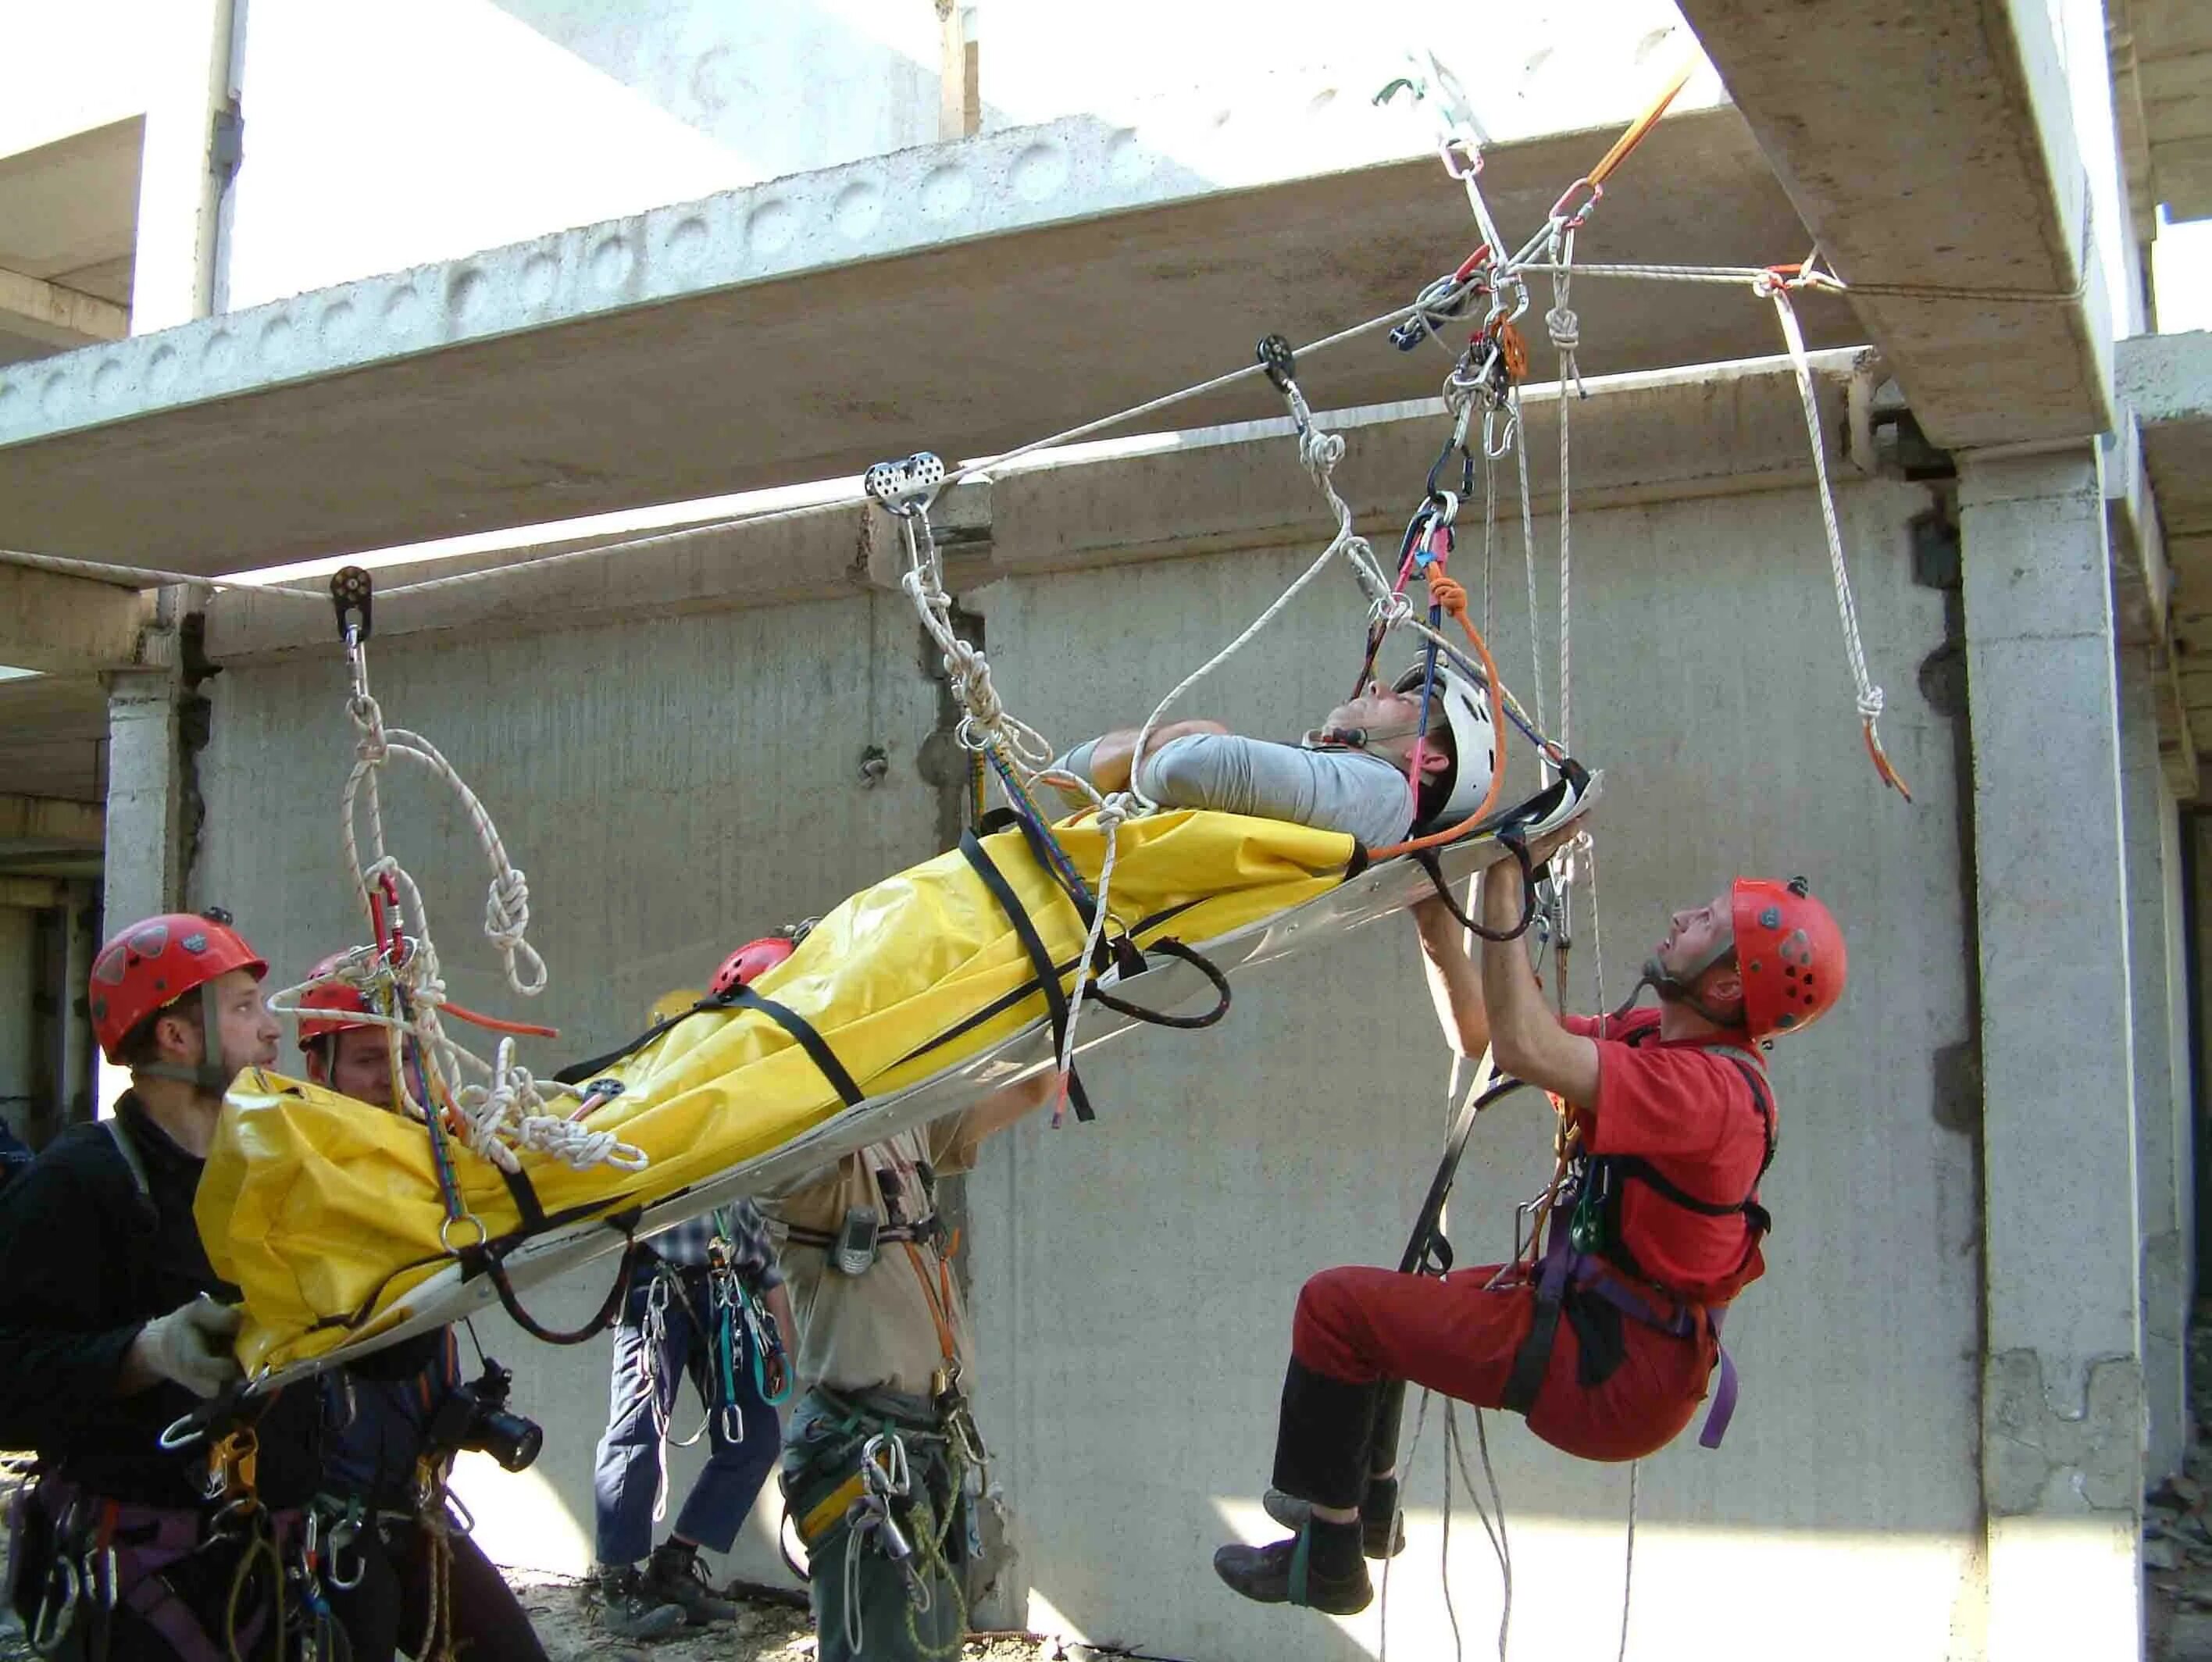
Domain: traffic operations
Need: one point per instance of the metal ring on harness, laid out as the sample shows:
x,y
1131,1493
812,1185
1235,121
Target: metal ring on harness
x,y
445,1235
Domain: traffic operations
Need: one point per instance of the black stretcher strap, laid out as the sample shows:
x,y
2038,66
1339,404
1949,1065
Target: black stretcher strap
x,y
577,1072
816,1046
979,859
603,1318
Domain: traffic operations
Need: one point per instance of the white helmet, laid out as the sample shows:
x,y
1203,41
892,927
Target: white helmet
x,y
1466,708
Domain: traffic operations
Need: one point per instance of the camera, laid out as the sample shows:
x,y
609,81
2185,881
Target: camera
x,y
476,1417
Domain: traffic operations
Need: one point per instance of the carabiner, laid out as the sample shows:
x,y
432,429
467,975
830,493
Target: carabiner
x,y
50,1626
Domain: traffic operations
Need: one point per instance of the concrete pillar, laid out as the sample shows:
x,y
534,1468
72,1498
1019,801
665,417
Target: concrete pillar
x,y
2062,1384
180,187
145,870
77,1080
2161,1157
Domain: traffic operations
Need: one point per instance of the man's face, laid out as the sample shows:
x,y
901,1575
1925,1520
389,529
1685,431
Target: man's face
x,y
361,1066
1390,720
1377,712
1697,939
248,1033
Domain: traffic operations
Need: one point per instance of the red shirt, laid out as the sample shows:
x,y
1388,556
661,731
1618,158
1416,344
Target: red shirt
x,y
1692,1114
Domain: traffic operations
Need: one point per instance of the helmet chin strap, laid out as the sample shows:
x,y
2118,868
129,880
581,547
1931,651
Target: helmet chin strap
x,y
1681,988
208,1074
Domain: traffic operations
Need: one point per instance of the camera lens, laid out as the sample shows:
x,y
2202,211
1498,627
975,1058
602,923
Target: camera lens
x,y
511,1440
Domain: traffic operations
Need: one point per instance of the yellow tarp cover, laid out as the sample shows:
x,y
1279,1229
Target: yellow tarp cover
x,y
310,1202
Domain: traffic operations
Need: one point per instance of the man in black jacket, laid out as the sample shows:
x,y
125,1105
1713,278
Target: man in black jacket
x,y
113,1328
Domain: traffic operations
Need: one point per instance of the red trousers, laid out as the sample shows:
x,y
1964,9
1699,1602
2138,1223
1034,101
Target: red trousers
x,y
1358,1326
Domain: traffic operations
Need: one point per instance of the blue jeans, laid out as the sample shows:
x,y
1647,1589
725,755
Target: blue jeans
x,y
646,1383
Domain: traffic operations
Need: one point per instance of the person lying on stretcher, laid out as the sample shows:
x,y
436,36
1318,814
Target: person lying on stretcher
x,y
1354,773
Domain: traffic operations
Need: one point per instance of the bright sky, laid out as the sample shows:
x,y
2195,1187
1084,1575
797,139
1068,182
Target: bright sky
x,y
2181,269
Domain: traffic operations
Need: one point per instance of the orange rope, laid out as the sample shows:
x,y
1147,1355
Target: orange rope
x,y
1641,126
1447,593
939,1300
498,1024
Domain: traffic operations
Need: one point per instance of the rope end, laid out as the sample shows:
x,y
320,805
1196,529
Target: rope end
x,y
1882,765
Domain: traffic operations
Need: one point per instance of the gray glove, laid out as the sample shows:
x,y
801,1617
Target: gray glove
x,y
191,1345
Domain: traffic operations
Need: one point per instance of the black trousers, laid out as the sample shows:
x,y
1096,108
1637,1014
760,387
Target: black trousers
x,y
390,1610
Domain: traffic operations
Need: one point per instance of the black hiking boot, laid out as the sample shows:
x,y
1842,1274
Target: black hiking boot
x,y
675,1576
1320,1567
624,1609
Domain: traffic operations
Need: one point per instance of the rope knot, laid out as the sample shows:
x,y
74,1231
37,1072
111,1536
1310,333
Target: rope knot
x,y
507,909
1566,327
1870,704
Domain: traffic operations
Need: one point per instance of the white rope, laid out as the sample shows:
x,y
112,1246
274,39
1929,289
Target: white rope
x,y
1628,1559
503,1107
1870,696
1528,569
1566,335
1319,452
143,577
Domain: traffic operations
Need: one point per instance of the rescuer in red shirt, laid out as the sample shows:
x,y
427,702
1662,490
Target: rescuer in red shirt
x,y
1607,1344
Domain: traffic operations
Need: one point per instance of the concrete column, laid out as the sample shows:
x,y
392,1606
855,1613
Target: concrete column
x,y
2062,1383
180,189
77,1080
145,790
2161,1157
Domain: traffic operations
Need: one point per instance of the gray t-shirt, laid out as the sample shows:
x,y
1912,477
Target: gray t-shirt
x,y
1347,790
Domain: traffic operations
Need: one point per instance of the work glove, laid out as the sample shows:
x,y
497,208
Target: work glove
x,y
191,1345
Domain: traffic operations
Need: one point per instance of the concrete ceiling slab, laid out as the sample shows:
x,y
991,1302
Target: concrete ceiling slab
x,y
1025,281
2173,41
1932,144
2165,381
53,737
73,204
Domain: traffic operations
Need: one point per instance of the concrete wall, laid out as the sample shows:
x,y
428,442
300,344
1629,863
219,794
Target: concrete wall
x,y
1135,1279
381,136
670,787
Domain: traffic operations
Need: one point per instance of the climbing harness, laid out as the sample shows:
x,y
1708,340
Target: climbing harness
x,y
890,1478
741,1340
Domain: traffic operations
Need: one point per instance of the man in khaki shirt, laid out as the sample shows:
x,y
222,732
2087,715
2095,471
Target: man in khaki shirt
x,y
881,1463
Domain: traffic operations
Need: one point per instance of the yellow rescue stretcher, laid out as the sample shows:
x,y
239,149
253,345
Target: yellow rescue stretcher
x,y
911,1001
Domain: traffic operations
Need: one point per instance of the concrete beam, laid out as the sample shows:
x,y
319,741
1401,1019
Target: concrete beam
x,y
60,317
1978,184
1003,288
1636,439
50,823
2166,382
34,893
65,625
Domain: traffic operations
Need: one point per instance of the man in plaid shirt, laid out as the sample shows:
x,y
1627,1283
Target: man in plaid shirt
x,y
673,1324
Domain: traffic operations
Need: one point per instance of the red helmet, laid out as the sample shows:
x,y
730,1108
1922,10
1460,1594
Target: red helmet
x,y
156,963
1789,953
334,999
749,963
